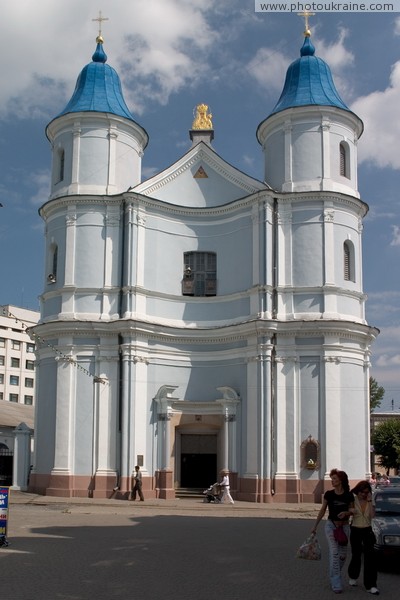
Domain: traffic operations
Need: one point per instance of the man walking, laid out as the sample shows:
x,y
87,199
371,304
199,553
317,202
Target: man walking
x,y
137,484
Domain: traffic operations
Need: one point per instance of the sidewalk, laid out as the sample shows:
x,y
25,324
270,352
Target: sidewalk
x,y
176,505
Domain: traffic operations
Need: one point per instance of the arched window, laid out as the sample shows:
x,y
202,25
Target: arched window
x,y
199,274
53,260
348,261
60,165
344,160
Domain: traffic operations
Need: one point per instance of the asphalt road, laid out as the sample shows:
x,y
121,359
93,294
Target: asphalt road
x,y
63,551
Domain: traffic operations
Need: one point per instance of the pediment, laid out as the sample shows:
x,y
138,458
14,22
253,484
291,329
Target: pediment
x,y
200,178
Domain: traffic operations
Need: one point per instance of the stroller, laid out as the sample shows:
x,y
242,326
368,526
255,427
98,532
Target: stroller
x,y
213,493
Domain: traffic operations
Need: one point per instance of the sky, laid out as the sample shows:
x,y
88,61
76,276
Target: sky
x,y
171,55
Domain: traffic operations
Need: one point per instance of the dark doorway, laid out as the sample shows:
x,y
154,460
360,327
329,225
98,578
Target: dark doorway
x,y
198,460
198,470
6,467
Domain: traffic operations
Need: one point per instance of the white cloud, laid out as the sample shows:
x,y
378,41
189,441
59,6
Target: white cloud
x,y
379,111
41,181
387,361
396,236
157,47
336,54
268,67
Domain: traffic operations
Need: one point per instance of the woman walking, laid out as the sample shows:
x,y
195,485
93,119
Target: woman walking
x,y
340,504
362,538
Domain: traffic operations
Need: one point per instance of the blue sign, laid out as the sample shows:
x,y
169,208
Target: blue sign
x,y
4,498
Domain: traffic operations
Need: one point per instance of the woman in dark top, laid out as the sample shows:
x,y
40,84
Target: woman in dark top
x,y
340,505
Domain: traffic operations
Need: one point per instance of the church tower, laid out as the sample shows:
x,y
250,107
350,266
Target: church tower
x,y
97,146
97,149
310,138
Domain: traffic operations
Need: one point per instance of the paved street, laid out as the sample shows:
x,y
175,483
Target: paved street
x,y
85,550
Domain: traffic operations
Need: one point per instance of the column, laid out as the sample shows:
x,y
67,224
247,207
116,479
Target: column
x,y
164,477
22,457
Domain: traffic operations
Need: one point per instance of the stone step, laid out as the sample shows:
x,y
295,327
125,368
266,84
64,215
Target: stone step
x,y
189,492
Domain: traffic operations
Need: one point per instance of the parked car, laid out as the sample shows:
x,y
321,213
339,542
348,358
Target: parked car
x,y
392,480
386,523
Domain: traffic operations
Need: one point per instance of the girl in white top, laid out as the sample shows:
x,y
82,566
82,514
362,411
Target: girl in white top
x,y
362,538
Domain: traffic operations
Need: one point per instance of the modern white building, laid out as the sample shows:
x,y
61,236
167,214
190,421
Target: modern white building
x,y
203,319
17,387
17,355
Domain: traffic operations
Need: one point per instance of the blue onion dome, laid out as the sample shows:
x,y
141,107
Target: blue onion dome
x,y
98,88
308,82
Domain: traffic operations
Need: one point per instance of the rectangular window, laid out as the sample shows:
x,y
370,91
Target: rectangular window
x,y
28,400
29,382
15,362
2,342
1,378
15,345
1,396
1,361
14,380
30,365
13,397
30,347
199,274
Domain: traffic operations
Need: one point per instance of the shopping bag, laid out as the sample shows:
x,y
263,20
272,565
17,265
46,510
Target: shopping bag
x,y
340,536
310,549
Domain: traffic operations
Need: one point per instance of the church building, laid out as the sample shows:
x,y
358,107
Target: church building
x,y
202,319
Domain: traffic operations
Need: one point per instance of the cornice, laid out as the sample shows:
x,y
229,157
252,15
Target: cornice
x,y
239,332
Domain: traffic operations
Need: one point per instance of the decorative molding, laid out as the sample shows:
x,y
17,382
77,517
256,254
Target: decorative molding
x,y
285,215
286,359
329,215
140,359
70,219
332,359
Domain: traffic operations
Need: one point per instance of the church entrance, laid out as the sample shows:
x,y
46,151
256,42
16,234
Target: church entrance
x,y
198,460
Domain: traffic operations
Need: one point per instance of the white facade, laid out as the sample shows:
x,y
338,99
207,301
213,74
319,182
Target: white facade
x,y
266,373
17,355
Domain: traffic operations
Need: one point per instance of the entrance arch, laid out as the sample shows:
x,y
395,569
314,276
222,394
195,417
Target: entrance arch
x,y
177,418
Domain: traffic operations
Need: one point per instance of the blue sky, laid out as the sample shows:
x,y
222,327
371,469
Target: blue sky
x,y
171,55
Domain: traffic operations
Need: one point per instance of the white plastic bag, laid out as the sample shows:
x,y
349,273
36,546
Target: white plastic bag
x,y
310,549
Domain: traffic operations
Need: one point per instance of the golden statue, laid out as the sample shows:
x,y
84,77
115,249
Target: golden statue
x,y
203,118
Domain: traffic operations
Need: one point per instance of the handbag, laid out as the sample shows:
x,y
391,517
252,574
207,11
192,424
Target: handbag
x,y
310,549
340,535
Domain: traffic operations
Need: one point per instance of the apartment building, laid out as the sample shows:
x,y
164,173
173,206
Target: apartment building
x,y
17,355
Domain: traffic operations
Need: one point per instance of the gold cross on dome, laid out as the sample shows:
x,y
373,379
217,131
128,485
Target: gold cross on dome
x,y
100,19
306,14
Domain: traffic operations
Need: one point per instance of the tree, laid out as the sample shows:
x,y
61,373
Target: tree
x,y
376,393
386,443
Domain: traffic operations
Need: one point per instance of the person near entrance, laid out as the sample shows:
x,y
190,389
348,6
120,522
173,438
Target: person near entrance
x,y
137,484
225,487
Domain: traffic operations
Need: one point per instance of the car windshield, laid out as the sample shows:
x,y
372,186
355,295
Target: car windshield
x,y
387,503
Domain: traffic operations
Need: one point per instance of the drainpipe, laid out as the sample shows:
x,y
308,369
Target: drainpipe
x,y
275,256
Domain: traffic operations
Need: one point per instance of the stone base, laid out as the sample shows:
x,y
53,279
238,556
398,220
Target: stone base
x,y
164,485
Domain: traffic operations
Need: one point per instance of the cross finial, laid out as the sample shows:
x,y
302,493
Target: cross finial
x,y
100,19
306,14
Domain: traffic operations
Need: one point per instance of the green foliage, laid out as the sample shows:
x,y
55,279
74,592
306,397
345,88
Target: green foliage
x,y
386,443
376,393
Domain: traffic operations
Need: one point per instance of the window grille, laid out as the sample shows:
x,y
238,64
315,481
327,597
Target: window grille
x,y
348,261
344,160
200,274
